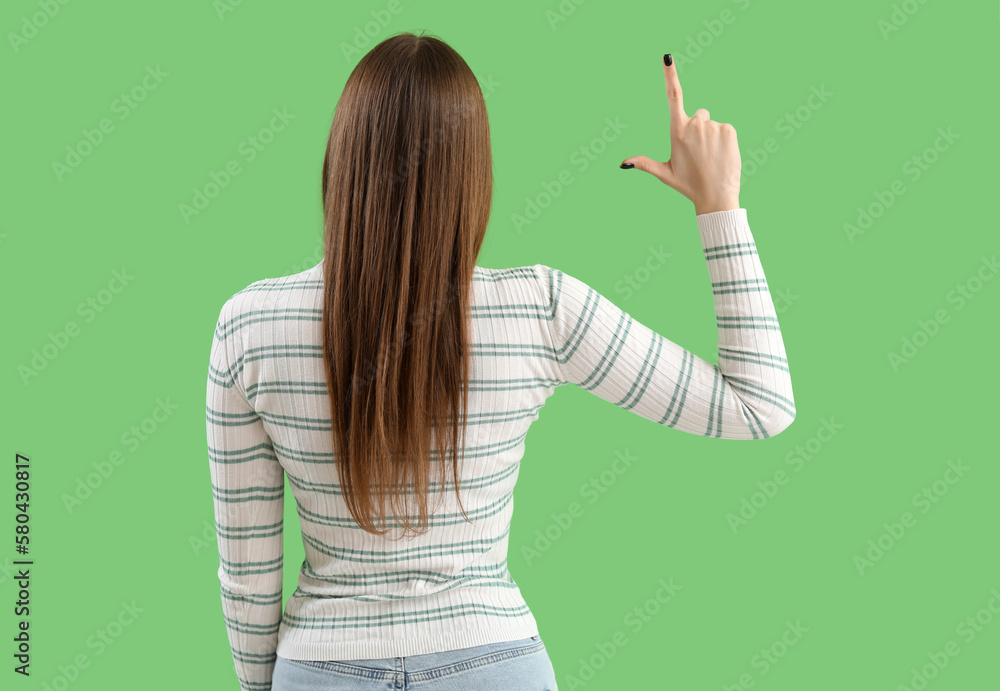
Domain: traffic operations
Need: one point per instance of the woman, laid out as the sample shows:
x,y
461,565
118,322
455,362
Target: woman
x,y
397,371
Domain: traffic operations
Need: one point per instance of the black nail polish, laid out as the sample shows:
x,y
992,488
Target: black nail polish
x,y
627,165
667,60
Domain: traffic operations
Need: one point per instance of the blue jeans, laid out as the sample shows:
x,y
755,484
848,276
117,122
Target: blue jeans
x,y
521,665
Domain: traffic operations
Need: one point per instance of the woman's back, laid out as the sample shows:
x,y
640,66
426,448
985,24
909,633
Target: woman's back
x,y
534,328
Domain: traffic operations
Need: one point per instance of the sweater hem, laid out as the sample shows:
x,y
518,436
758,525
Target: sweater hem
x,y
325,651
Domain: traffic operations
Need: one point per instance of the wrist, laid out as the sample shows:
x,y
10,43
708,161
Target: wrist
x,y
708,207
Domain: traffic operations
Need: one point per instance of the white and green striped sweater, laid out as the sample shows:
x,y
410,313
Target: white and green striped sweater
x,y
535,328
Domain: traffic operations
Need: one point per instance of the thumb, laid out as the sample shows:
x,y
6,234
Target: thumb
x,y
662,170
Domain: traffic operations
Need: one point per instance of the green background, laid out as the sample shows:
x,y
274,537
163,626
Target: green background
x,y
845,303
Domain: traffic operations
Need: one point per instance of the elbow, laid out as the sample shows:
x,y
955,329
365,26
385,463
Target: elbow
x,y
771,413
777,422
767,421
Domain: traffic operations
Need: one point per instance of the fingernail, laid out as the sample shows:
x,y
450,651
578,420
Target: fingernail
x,y
667,60
627,165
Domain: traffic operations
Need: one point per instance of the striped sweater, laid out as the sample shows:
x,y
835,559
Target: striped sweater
x,y
535,328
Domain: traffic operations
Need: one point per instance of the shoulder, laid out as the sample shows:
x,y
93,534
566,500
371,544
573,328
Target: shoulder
x,y
311,278
275,294
533,283
546,280
531,274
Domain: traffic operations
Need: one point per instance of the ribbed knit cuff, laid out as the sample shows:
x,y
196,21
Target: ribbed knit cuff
x,y
718,222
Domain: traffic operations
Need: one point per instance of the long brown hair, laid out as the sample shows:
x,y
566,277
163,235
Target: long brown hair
x,y
407,189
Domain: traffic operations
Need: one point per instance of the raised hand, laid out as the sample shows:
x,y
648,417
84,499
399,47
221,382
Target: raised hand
x,y
704,162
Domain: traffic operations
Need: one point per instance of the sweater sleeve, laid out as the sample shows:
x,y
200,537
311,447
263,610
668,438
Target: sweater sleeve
x,y
747,395
248,496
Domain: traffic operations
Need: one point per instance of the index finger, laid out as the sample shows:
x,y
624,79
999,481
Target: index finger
x,y
675,97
